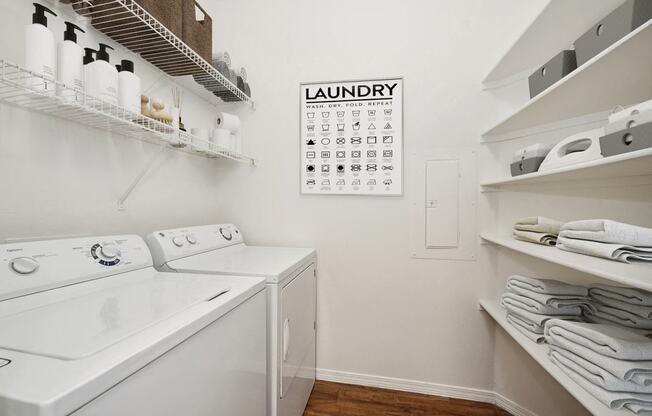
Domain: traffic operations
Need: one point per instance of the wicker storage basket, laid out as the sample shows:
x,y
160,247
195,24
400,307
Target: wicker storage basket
x,y
198,34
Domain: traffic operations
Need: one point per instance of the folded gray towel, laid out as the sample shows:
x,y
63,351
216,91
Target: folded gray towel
x,y
547,286
607,231
637,372
635,402
642,311
533,306
535,318
537,238
524,328
597,320
595,374
610,251
620,317
610,340
548,299
623,294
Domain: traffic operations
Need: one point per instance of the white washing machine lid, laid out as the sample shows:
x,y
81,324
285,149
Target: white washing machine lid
x,y
85,338
273,263
79,326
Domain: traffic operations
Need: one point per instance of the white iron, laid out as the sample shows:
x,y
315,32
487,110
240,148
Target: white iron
x,y
578,148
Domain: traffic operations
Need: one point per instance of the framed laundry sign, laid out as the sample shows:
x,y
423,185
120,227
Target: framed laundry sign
x,y
352,137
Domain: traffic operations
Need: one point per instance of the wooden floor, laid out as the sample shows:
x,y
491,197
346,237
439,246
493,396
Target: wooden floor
x,y
334,399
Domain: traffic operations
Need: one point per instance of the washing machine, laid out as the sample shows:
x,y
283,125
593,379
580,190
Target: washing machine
x,y
291,279
89,328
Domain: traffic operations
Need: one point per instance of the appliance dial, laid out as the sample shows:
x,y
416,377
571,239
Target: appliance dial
x,y
177,241
109,252
24,265
226,233
106,254
191,239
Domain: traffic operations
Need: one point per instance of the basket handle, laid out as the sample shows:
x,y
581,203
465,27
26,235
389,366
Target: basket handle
x,y
206,16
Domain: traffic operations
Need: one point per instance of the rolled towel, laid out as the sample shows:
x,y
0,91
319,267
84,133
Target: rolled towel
x,y
595,374
534,306
635,402
610,340
619,317
538,225
638,372
537,238
546,286
607,231
524,327
623,294
616,252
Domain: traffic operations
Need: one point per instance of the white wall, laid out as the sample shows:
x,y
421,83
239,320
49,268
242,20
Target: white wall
x,y
380,312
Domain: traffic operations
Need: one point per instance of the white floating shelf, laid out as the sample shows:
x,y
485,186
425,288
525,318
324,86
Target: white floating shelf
x,y
638,275
539,352
553,30
638,163
26,89
619,75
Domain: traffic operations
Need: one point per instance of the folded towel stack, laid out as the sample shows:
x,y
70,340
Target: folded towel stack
x,y
530,303
608,239
621,306
539,230
612,363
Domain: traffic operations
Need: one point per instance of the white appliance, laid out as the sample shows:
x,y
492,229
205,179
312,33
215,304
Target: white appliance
x,y
89,327
291,293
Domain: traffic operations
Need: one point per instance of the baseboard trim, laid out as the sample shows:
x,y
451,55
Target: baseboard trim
x,y
434,389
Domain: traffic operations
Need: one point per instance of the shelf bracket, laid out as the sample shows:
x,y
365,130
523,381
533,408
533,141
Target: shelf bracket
x,y
148,166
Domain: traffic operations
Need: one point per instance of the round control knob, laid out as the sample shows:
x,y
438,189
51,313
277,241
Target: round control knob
x,y
191,239
177,241
226,234
24,265
109,252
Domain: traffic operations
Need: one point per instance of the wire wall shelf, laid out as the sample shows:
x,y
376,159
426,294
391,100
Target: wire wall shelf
x,y
127,23
27,89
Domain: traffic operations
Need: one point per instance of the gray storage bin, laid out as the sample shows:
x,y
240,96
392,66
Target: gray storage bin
x,y
612,28
555,69
629,140
524,166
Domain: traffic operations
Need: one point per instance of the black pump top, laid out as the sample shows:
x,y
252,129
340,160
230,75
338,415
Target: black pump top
x,y
39,14
127,65
118,68
69,33
88,57
102,54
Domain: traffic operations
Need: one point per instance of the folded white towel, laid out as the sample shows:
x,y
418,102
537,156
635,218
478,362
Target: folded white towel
x,y
623,294
538,225
610,340
638,372
607,231
616,252
620,317
595,374
537,238
635,402
533,306
546,286
524,328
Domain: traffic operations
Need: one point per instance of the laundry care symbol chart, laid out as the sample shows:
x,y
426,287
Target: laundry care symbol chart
x,y
352,137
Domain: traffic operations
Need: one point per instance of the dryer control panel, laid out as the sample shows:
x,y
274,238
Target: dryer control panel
x,y
168,245
36,266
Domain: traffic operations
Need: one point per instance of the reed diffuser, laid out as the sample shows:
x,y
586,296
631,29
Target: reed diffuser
x,y
177,102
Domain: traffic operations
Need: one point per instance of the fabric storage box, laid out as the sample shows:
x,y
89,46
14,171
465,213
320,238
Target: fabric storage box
x,y
106,12
555,69
529,159
629,140
197,29
612,28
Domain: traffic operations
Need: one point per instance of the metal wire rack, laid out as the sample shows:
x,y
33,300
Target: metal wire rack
x,y
24,88
126,22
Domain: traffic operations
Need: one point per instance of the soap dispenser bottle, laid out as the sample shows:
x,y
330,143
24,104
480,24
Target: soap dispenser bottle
x,y
128,87
70,64
102,77
40,53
